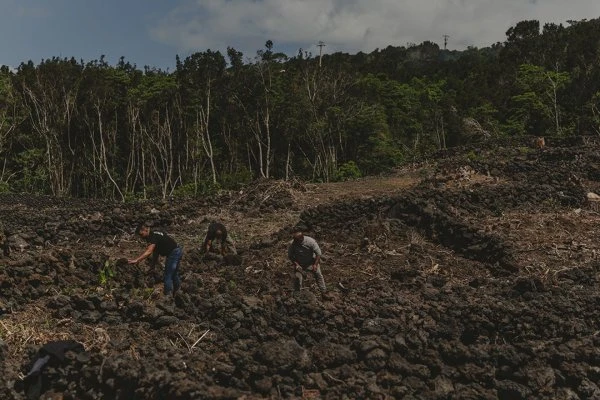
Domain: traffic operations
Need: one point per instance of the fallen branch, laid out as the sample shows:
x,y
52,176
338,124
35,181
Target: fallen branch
x,y
332,378
199,339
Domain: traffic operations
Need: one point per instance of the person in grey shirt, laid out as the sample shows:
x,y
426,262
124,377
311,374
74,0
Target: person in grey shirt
x,y
305,254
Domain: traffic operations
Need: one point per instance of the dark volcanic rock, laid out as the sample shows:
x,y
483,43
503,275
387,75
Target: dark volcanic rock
x,y
283,355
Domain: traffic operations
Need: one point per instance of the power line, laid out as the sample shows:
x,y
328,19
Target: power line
x,y
446,41
321,45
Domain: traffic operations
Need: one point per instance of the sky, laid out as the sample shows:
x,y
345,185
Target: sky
x,y
152,32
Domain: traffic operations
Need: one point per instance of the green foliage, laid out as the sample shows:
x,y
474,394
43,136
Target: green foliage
x,y
187,190
487,116
144,293
202,188
4,187
232,285
383,156
473,156
347,171
537,106
524,150
236,179
33,173
107,274
96,130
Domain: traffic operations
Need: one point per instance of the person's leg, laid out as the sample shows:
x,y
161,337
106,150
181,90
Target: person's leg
x,y
298,280
319,278
230,246
168,279
297,277
176,277
170,269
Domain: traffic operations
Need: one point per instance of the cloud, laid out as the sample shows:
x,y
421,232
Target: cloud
x,y
354,25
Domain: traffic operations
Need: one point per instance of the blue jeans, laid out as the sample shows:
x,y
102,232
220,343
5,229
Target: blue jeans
x,y
172,281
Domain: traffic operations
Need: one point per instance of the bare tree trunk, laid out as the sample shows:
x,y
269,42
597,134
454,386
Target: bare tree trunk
x,y
134,161
324,89
202,124
160,139
555,103
45,116
287,162
9,120
443,134
103,153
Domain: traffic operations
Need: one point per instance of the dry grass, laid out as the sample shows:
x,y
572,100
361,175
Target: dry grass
x,y
548,243
32,326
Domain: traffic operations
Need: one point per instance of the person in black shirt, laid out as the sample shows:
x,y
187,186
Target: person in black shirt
x,y
164,245
217,241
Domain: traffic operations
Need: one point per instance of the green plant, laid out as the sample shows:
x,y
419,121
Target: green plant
x,y
4,187
187,190
236,179
232,285
523,150
550,202
107,273
347,171
203,187
33,176
143,293
473,156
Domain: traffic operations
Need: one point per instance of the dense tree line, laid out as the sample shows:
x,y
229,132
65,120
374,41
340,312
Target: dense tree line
x,y
74,128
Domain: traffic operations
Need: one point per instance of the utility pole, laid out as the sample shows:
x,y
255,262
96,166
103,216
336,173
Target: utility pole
x,y
446,41
321,45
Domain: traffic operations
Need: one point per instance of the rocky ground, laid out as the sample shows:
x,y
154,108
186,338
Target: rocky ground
x,y
472,276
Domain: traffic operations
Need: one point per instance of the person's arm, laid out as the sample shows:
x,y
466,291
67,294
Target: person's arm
x,y
316,263
223,238
210,235
145,254
207,243
291,257
317,252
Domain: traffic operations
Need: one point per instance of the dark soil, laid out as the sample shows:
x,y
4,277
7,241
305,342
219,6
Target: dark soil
x,y
473,277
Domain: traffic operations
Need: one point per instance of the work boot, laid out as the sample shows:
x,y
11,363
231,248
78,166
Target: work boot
x,y
181,299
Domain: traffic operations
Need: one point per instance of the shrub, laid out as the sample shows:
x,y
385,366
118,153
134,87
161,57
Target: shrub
x,y
236,179
347,171
4,187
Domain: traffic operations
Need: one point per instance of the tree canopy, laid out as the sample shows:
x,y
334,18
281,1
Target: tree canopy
x,y
75,128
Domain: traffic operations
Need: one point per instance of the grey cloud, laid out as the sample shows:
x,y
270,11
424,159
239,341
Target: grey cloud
x,y
355,25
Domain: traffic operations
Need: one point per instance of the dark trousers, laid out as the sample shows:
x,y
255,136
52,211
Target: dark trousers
x,y
172,280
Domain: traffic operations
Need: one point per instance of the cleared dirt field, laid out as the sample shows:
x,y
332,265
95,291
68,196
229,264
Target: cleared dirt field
x,y
472,276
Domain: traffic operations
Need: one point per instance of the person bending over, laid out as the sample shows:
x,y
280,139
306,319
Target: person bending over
x,y
217,243
305,255
161,244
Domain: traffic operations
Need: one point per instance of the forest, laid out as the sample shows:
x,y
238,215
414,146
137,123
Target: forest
x,y
88,129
